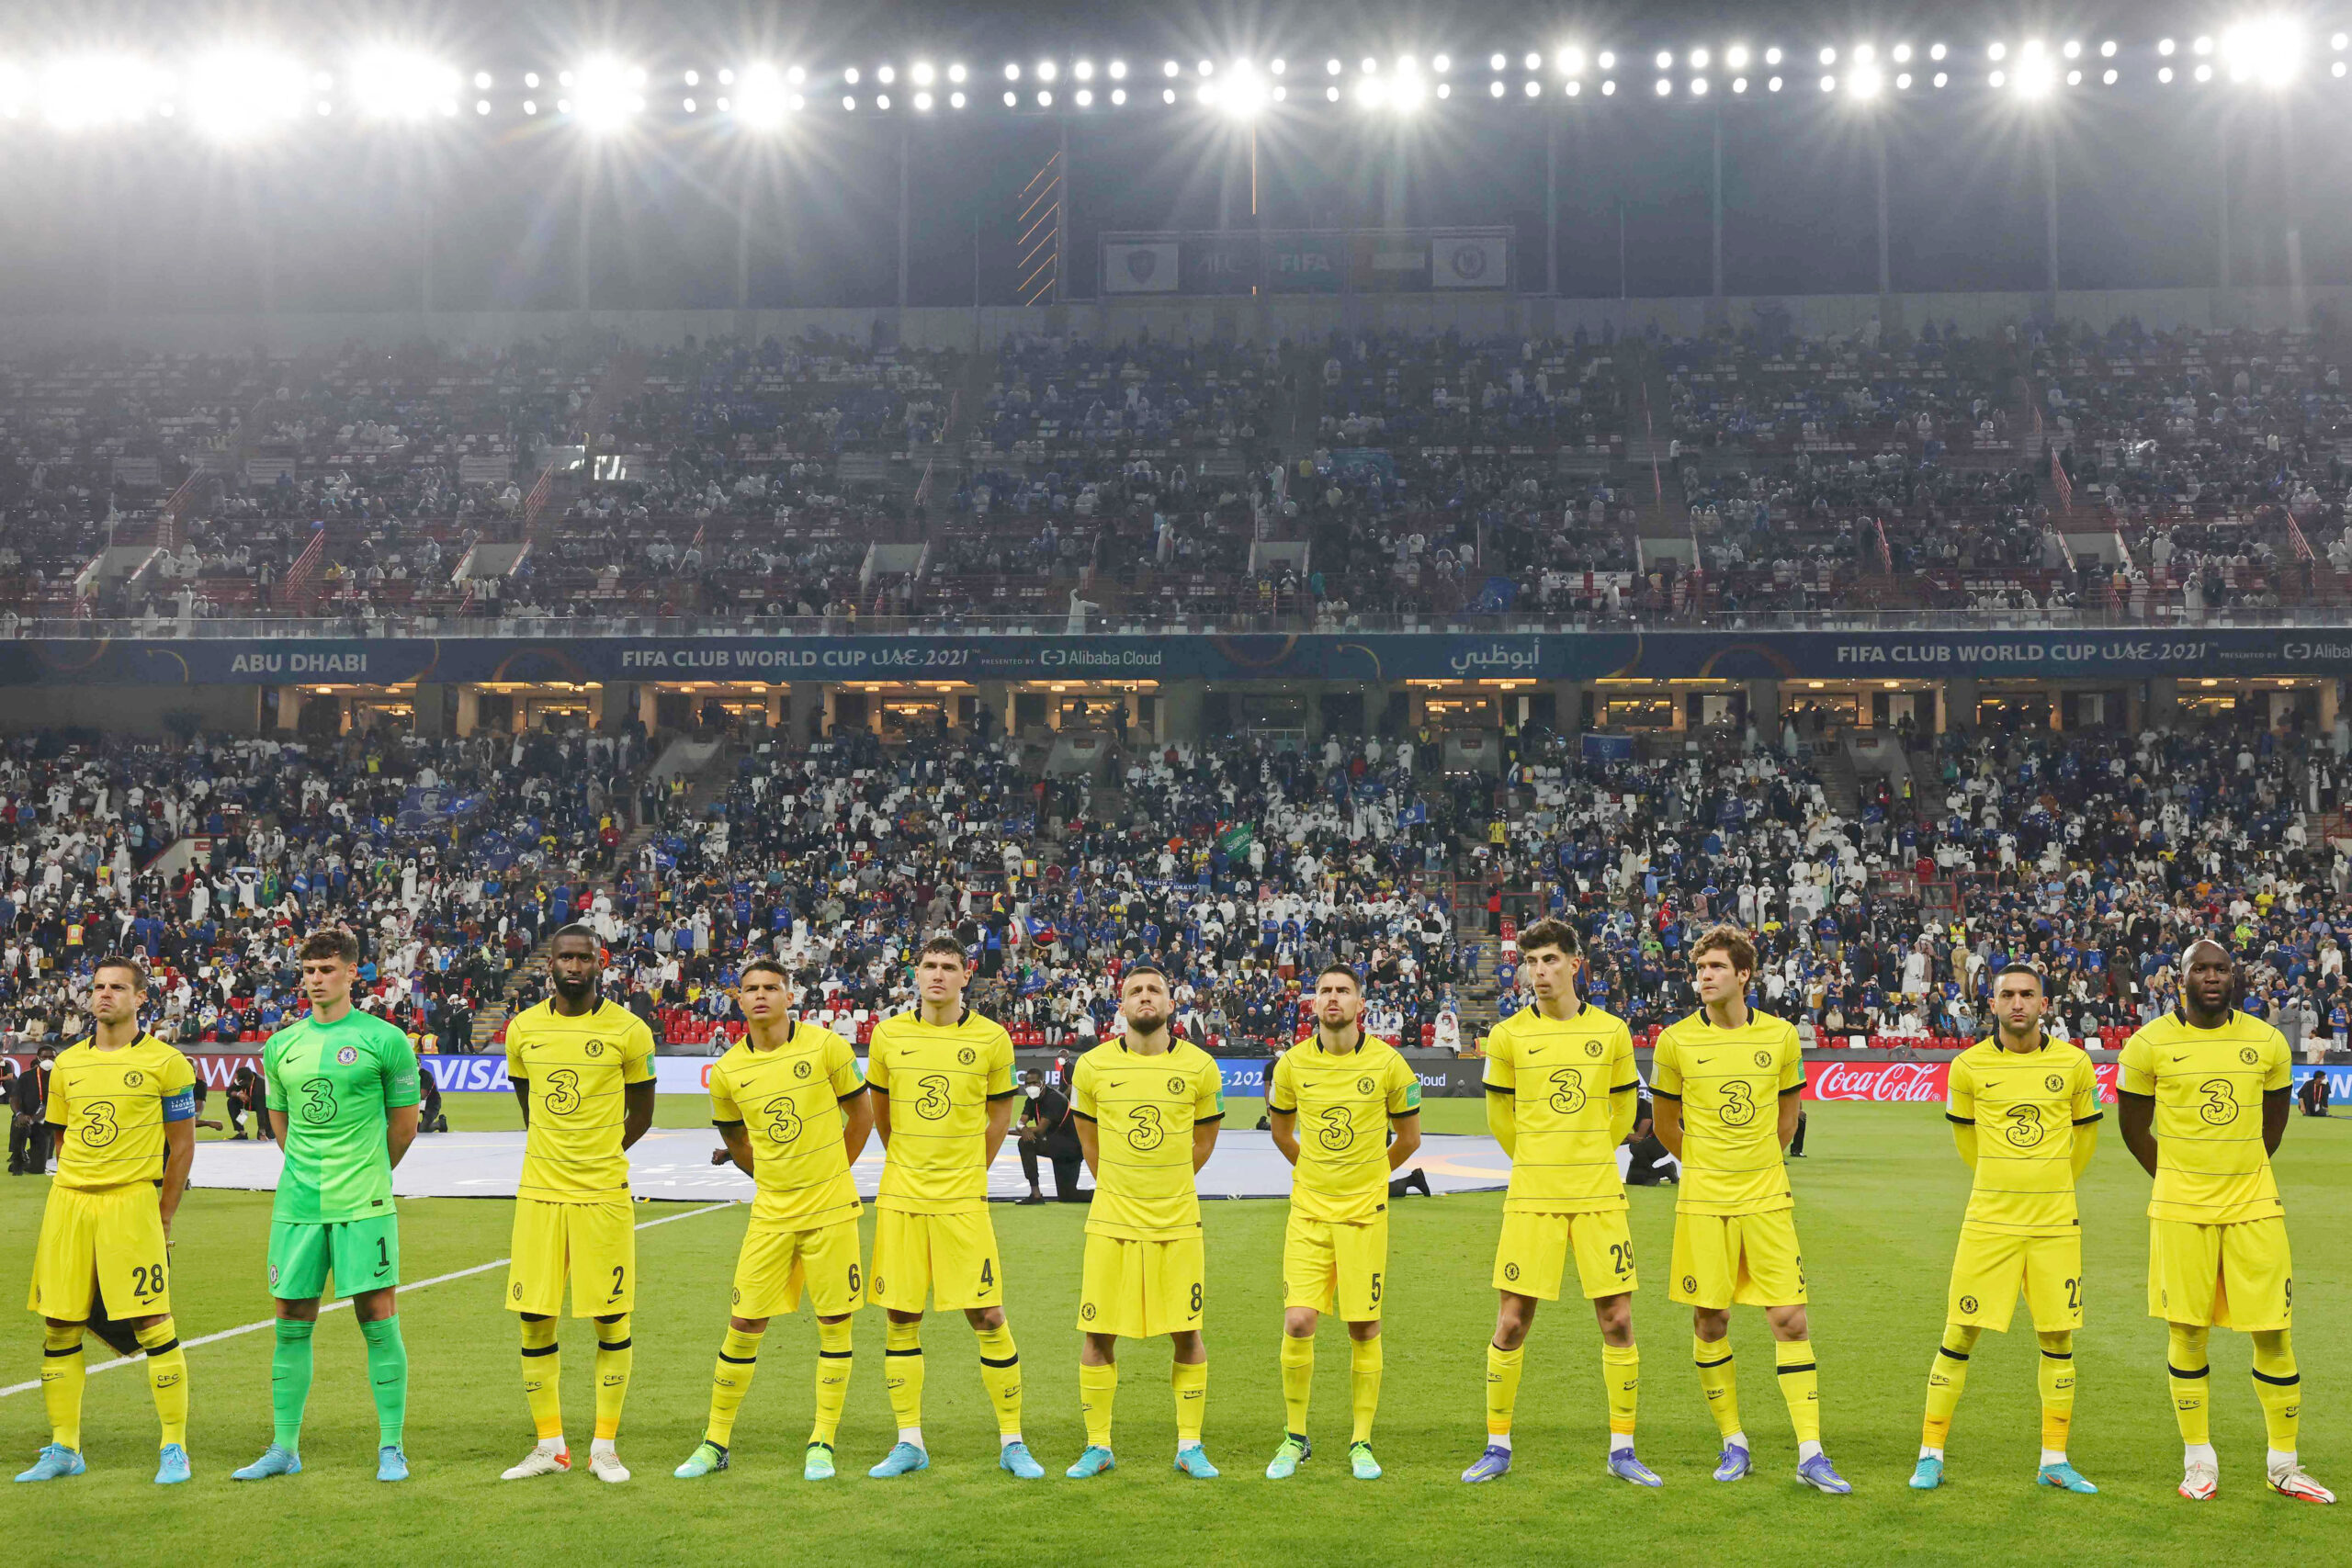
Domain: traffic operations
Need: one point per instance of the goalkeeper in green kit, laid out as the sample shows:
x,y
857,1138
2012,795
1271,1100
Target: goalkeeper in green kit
x,y
343,1096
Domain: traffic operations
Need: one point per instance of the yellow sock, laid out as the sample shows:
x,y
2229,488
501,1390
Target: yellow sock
x,y
1621,1370
1298,1382
2057,1382
61,1376
1001,1375
1947,1376
1097,1387
731,1380
1502,1388
542,1377
2279,1386
167,1379
614,1359
834,1363
1363,1384
1191,1381
902,1373
1800,1386
2184,1365
1719,1380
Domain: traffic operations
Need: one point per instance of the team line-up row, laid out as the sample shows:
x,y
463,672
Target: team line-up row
x,y
2203,1104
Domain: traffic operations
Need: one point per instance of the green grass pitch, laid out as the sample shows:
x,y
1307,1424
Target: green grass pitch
x,y
1879,1202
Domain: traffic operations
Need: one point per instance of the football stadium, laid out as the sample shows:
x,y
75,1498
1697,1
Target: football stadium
x,y
738,749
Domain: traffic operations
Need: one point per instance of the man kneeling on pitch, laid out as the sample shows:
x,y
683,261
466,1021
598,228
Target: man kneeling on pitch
x,y
1136,1097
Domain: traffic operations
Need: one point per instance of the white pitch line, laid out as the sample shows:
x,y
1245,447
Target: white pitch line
x,y
339,1305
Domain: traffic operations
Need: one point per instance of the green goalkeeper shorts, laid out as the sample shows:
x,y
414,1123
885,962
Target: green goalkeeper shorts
x,y
362,1255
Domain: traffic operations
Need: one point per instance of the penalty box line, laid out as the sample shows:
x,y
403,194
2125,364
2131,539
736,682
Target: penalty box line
x,y
338,1305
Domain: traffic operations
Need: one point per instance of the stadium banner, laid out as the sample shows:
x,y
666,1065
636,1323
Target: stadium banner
x,y
2339,1080
1468,264
1222,265
1306,263
1388,263
1906,1082
1139,269
1338,656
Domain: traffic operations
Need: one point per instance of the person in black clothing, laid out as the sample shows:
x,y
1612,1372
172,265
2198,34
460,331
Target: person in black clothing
x,y
1050,1130
248,1094
1650,1165
2314,1095
29,1135
429,1119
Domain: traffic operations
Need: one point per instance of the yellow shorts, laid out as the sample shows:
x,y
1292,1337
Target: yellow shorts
x,y
1323,1260
1723,1260
778,1259
594,1245
1533,1254
107,1239
2236,1276
950,1258
1992,1267
1140,1290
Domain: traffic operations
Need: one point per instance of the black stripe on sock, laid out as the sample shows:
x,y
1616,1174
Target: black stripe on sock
x,y
74,1352
541,1349
617,1344
916,1351
168,1346
1806,1367
1008,1362
1722,1361
1955,1355
2175,1371
832,1355
2058,1355
737,1360
2290,1381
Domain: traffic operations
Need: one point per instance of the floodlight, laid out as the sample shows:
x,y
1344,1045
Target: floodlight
x,y
923,103
886,75
1085,97
1570,61
1331,95
1012,100
1118,70
1903,82
481,80
1829,84
1012,73
956,72
1942,78
1494,89
1441,64
1739,84
238,93
1864,54
1242,94
761,97
2073,50
1083,70
2164,74
1736,57
1773,85
1830,57
89,91
1698,86
1118,95
1045,101
2109,76
849,103
1903,54
1665,87
851,76
1278,64
2165,46
1664,59
1608,61
400,84
1046,70
1405,95
1998,52
1608,89
2268,49
955,100
1534,62
1534,89
1772,56
605,95
1865,81
2204,74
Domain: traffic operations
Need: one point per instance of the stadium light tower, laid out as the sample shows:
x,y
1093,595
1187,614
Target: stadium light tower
x,y
236,94
400,84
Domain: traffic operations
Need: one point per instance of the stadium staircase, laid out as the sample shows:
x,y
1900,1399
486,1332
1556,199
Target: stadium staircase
x,y
1840,781
1298,420
708,781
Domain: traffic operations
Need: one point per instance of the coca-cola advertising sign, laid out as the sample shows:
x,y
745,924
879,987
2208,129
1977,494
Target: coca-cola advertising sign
x,y
1897,1083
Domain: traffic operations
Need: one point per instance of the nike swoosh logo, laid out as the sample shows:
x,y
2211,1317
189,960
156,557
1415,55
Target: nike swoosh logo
x,y
2180,1058
1535,1050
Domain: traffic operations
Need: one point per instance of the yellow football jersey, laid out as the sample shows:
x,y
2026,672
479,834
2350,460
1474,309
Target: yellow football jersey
x,y
1564,1078
576,1070
2211,1167
110,1106
2025,1107
1144,1110
788,1101
1729,1082
1343,1101
938,1080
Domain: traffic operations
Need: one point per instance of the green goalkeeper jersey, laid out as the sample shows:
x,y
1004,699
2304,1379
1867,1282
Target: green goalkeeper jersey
x,y
335,1082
